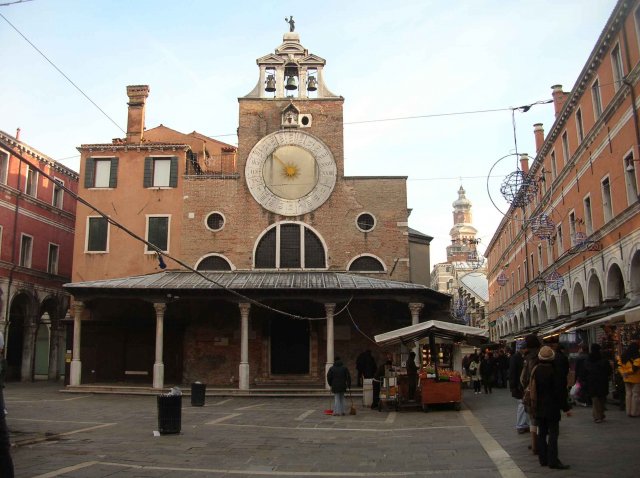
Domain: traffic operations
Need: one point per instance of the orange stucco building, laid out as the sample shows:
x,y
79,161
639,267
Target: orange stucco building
x,y
566,257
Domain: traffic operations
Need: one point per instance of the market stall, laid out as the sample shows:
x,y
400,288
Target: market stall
x,y
439,382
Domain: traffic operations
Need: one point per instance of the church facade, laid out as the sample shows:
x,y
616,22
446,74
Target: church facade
x,y
244,266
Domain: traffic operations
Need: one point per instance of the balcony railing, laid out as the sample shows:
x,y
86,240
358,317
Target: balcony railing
x,y
215,165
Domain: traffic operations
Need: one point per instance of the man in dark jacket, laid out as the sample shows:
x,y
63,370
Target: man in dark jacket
x,y
597,375
366,366
339,379
516,362
548,399
6,462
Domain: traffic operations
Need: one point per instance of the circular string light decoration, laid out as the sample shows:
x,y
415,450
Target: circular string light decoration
x,y
554,281
542,226
502,279
518,189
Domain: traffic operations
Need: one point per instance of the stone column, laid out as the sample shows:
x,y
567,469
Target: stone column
x,y
76,364
415,308
158,366
330,309
243,372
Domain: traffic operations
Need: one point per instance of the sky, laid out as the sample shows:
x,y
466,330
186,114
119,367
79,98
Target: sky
x,y
412,64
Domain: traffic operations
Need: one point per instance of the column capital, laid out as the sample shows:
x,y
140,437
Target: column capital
x,y
160,307
416,307
244,307
78,308
330,307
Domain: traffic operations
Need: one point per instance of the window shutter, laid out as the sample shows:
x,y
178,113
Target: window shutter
x,y
89,172
173,175
148,172
113,173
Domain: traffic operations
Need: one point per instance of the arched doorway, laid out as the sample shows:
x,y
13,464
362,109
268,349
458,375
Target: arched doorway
x,y
289,346
18,314
615,283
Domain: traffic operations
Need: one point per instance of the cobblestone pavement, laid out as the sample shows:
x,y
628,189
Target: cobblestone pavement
x,y
83,435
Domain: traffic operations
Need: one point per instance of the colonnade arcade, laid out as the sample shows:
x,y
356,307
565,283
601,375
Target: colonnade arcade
x,y
244,365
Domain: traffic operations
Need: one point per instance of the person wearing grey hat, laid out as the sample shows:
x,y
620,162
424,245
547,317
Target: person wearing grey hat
x,y
549,398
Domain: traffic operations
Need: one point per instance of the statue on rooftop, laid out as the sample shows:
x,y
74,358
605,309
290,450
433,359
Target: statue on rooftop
x,y
292,24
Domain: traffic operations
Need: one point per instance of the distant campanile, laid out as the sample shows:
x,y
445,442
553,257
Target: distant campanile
x,y
463,234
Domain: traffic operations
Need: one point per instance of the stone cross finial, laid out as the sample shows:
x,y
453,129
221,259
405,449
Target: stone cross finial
x,y
292,24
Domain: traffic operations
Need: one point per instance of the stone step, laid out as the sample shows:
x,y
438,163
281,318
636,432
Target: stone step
x,y
210,392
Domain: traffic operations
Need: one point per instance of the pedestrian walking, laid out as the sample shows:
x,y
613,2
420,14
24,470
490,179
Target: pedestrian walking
x,y
474,373
597,374
339,379
487,372
629,367
6,462
516,362
549,397
532,347
582,398
378,378
502,369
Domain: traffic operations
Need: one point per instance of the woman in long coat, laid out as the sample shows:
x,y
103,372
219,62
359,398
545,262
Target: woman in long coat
x,y
339,379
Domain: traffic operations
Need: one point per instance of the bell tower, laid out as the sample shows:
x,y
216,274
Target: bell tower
x,y
463,234
291,95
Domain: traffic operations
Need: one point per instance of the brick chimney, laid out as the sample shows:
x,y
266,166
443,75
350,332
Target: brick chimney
x,y
135,122
524,163
559,98
538,132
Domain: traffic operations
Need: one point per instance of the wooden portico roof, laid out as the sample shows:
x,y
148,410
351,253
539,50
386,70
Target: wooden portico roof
x,y
272,284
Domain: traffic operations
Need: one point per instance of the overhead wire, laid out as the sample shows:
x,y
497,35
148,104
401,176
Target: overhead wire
x,y
157,250
62,73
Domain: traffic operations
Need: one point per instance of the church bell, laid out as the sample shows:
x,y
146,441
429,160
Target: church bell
x,y
312,84
271,84
291,83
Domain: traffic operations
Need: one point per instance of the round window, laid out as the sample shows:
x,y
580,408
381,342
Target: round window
x,y
366,222
215,221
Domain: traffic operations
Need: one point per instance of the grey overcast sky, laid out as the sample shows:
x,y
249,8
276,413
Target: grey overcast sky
x,y
418,59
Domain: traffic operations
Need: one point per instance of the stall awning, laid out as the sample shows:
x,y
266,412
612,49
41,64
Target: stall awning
x,y
438,328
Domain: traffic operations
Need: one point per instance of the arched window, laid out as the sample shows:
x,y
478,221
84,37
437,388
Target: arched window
x,y
214,263
290,246
366,264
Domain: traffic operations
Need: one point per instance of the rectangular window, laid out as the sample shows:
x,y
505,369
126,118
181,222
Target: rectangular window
x,y
290,246
160,172
540,262
560,240
26,246
158,232
554,165
101,173
572,227
519,280
57,193
630,179
579,126
513,283
616,64
1,230
607,207
549,252
565,148
31,181
4,166
588,223
525,272
597,99
97,234
533,268
52,261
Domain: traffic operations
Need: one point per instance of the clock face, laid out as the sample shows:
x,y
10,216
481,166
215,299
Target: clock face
x,y
290,172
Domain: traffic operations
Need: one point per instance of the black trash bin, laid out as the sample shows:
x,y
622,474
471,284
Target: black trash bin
x,y
169,414
197,394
